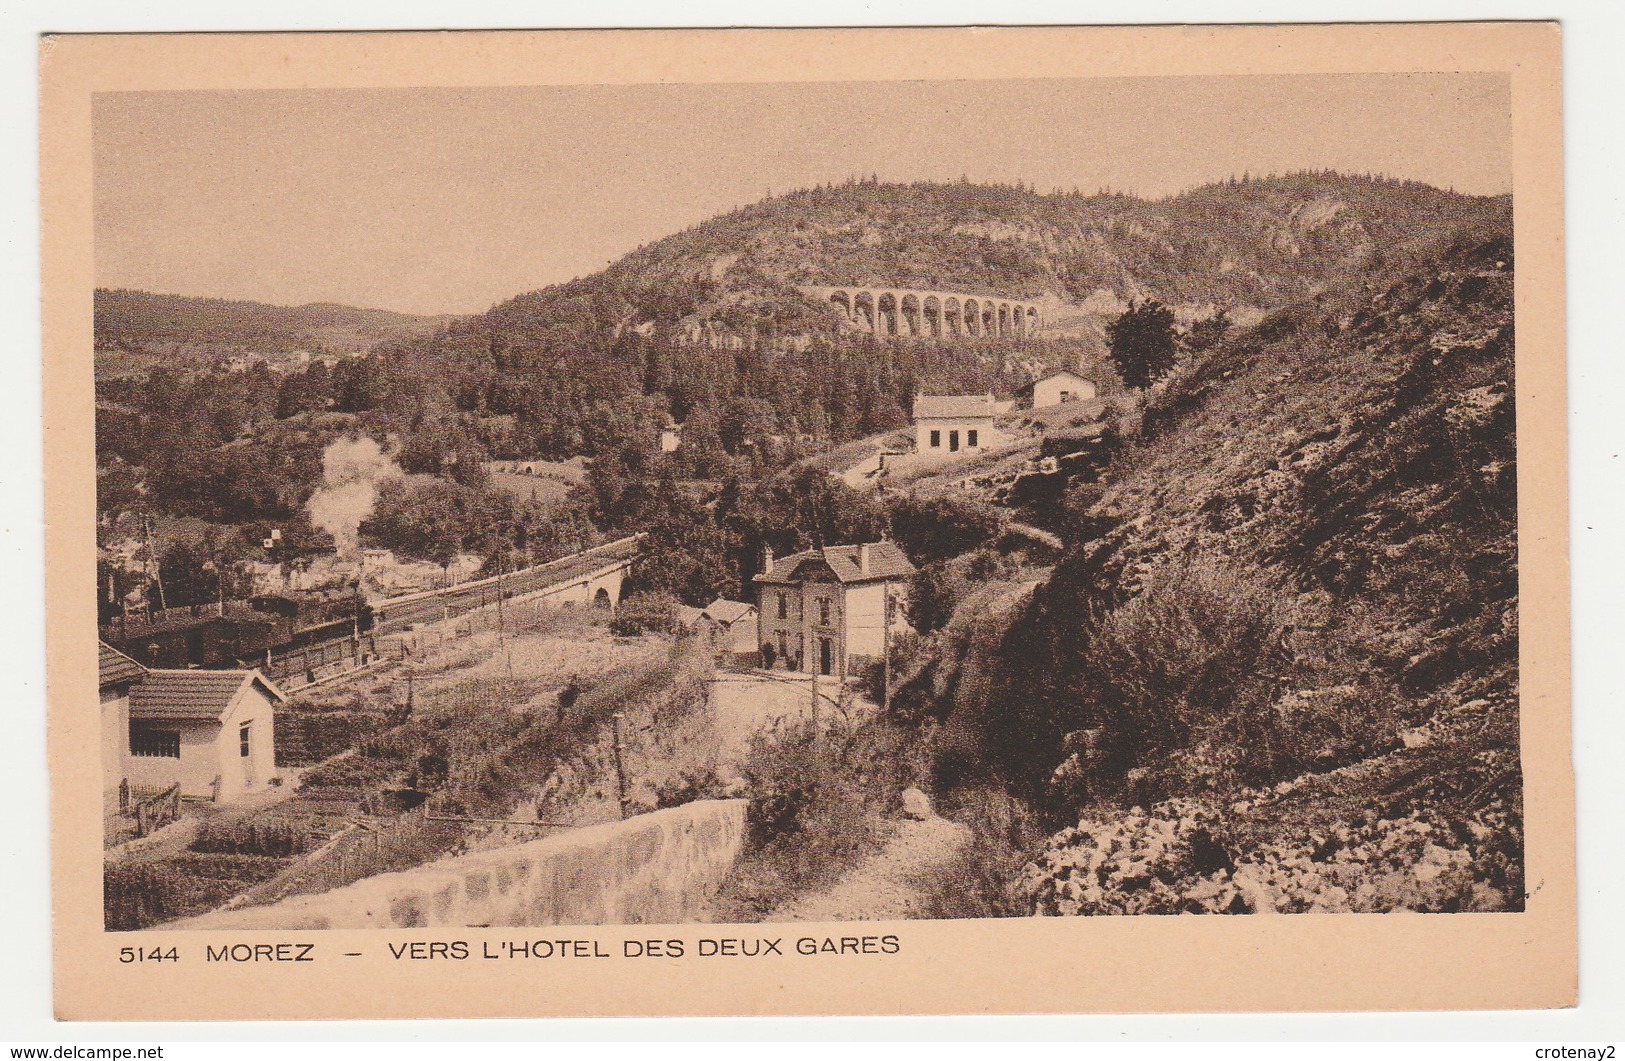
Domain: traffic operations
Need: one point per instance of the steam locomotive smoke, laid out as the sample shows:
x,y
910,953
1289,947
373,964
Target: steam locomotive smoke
x,y
352,468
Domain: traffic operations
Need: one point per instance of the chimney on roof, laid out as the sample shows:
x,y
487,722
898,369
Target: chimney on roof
x,y
767,558
863,558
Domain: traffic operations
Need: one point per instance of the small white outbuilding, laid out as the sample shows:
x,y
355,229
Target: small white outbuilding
x,y
954,423
210,730
1062,386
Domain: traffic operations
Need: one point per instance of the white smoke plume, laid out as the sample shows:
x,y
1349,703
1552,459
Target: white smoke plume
x,y
352,468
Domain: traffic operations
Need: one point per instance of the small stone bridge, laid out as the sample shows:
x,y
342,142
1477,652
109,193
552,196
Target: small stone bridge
x,y
593,576
935,314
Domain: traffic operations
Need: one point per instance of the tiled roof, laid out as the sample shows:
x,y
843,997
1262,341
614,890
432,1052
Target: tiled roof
x,y
116,668
952,406
689,616
192,694
886,560
728,612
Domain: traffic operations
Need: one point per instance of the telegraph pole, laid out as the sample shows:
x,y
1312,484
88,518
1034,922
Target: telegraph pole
x,y
885,649
152,558
620,769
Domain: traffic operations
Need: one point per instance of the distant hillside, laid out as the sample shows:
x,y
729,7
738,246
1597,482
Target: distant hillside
x,y
1285,633
133,319
714,314
1254,244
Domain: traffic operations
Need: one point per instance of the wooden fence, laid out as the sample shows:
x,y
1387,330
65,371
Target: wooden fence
x,y
368,847
151,807
299,666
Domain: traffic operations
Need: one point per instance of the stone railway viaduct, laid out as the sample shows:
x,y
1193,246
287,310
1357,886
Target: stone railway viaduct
x,y
937,314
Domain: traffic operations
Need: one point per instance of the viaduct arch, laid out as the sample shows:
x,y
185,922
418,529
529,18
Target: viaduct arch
x,y
934,314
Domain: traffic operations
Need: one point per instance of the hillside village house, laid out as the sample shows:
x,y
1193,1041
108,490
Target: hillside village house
x,y
1060,387
209,730
954,423
732,622
821,607
117,673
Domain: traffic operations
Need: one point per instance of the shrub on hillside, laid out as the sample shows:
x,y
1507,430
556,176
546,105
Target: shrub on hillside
x,y
1200,642
646,613
817,801
979,881
934,591
273,838
140,894
1205,682
940,528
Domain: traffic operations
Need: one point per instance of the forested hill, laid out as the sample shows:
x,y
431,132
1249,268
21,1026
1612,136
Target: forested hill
x,y
713,315
135,319
1258,243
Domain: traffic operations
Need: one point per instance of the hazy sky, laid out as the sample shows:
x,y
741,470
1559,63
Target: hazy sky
x,y
449,200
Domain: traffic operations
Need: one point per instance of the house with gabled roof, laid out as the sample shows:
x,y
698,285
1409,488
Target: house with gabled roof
x,y
1058,388
212,731
954,423
820,608
734,622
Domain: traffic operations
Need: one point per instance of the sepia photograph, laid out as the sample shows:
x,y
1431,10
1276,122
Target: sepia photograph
x,y
1072,521
850,502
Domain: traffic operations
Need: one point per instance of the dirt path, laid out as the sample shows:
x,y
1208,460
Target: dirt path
x,y
889,885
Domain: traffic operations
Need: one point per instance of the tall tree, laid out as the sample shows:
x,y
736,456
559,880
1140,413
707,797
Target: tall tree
x,y
1141,343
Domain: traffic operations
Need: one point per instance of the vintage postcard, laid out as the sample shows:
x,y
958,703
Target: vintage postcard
x,y
807,522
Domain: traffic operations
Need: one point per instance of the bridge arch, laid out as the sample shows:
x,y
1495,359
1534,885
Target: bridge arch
x,y
931,312
863,310
924,313
886,314
909,314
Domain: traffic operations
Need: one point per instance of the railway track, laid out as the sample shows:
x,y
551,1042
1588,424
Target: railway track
x,y
400,613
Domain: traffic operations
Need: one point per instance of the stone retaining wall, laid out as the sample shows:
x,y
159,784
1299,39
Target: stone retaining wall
x,y
658,868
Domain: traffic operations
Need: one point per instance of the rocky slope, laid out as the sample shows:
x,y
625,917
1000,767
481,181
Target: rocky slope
x,y
1278,665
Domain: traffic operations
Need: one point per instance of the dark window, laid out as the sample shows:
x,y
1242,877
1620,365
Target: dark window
x,y
936,439
242,742
147,742
823,612
953,442
970,439
784,606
